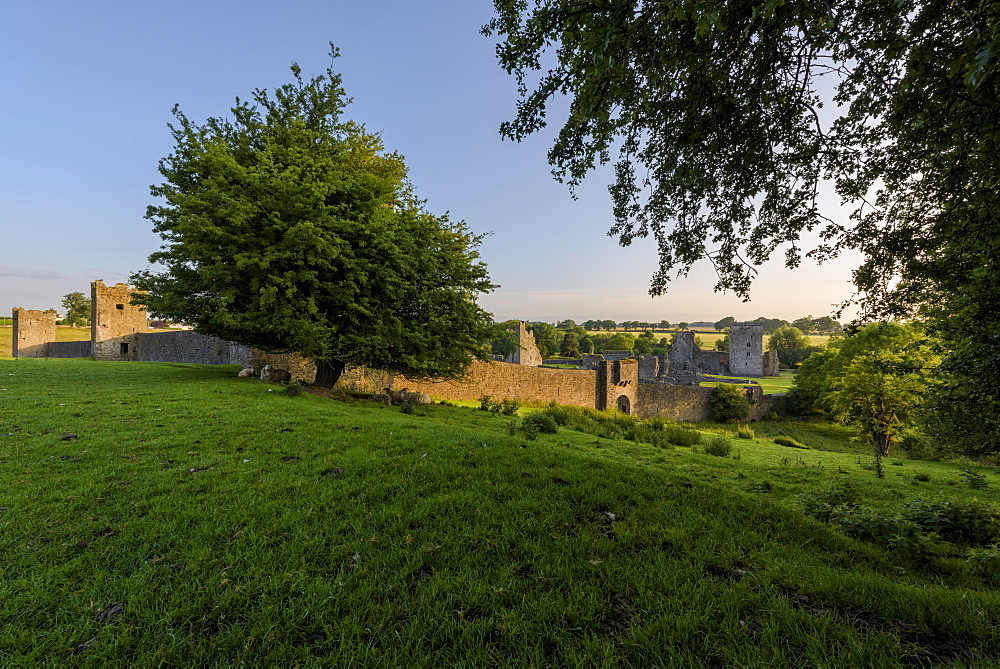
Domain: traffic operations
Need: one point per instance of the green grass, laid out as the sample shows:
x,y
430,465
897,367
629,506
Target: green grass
x,y
770,384
174,514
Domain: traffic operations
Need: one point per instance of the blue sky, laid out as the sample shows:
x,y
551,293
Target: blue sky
x,y
87,93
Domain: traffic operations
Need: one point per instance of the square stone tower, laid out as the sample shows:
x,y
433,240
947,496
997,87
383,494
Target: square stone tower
x,y
114,322
32,332
746,349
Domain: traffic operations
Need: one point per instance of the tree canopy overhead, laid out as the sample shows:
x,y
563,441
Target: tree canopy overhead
x,y
715,110
289,228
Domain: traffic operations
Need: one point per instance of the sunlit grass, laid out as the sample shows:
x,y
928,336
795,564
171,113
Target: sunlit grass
x,y
174,514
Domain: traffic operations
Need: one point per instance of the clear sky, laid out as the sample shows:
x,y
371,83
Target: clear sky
x,y
87,93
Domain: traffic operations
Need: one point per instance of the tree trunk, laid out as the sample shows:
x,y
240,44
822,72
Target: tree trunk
x,y
328,372
882,444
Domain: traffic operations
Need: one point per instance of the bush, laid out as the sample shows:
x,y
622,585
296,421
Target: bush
x,y
718,445
729,403
744,432
505,407
788,441
539,423
823,503
984,563
966,521
682,436
896,534
293,389
974,480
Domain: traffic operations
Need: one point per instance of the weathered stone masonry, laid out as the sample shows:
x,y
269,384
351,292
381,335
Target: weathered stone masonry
x,y
32,332
115,322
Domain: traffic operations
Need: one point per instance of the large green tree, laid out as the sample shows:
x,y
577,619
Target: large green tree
x,y
77,307
289,228
728,117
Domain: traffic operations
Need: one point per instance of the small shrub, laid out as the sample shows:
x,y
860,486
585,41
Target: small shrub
x,y
485,403
923,477
895,534
506,407
718,445
966,521
788,441
408,405
974,480
660,440
539,423
657,424
984,563
744,432
293,389
729,403
821,504
682,436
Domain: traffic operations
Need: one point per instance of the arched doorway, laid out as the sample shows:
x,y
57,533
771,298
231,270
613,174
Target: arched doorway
x,y
623,405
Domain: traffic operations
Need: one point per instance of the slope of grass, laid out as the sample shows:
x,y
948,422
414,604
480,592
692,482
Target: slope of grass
x,y
174,514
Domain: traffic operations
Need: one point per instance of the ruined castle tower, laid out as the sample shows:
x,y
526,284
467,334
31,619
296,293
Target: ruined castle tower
x,y
526,352
746,349
32,332
114,322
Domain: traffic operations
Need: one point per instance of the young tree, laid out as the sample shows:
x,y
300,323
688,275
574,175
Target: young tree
x,y
792,346
570,346
546,338
729,402
642,346
879,393
289,228
664,324
77,308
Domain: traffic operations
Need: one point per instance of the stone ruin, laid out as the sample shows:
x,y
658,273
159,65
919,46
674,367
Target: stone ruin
x,y
526,352
32,332
686,363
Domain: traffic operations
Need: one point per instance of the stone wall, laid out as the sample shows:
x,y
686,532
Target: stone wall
x,y
31,333
659,400
302,368
502,380
114,322
70,349
692,403
365,380
527,351
188,346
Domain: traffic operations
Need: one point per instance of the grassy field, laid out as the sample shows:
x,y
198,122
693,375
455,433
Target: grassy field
x,y
166,514
770,384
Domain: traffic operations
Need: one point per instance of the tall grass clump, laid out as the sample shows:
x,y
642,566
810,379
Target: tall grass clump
x,y
681,436
718,445
744,432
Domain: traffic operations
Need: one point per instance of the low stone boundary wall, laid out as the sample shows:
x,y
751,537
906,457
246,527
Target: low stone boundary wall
x,y
504,380
188,346
70,349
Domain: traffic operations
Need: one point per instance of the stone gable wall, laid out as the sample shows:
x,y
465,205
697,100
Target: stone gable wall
x,y
31,333
527,351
